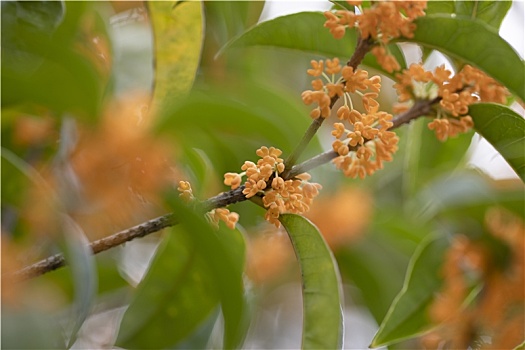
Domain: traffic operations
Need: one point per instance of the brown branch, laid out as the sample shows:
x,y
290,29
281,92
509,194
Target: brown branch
x,y
224,199
154,225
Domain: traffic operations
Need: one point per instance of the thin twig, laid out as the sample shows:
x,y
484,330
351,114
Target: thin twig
x,y
362,48
420,108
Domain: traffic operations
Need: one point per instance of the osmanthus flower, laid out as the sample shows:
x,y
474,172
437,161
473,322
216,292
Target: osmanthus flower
x,y
363,148
492,318
348,82
213,216
456,93
382,21
278,195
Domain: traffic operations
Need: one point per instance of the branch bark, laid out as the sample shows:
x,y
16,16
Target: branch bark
x,y
224,199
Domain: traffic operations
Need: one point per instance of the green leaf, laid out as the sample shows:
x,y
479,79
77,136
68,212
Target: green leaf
x,y
434,7
83,273
228,19
449,191
35,60
172,300
504,129
407,316
178,36
223,253
304,32
30,329
322,291
427,157
490,12
474,43
343,5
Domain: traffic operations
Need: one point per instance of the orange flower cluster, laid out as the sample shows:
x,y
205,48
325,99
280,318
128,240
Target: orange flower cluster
x,y
186,193
383,21
457,92
293,195
363,149
215,215
223,214
498,310
350,81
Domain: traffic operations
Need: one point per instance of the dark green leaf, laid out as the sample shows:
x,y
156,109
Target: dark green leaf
x,y
490,12
172,300
374,269
407,316
178,41
322,292
223,253
305,32
475,43
504,129
32,63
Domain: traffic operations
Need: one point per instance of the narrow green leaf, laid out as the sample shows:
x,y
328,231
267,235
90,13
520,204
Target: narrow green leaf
x,y
504,129
178,36
475,43
407,316
223,253
322,292
490,12
83,273
172,300
305,32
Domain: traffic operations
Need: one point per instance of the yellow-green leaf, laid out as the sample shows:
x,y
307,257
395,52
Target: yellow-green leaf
x,y
178,34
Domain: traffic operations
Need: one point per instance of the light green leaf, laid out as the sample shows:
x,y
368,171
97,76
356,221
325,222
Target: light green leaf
x,y
475,43
83,273
427,157
228,19
407,316
178,36
172,300
434,7
30,329
305,32
449,191
322,293
504,129
490,12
